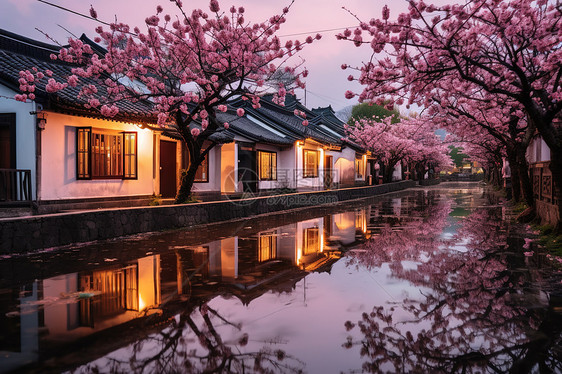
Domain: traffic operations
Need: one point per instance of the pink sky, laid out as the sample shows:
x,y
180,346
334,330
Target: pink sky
x,y
326,83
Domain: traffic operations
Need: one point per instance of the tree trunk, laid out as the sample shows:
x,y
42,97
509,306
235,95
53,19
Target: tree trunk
x,y
387,176
556,170
526,184
515,180
184,194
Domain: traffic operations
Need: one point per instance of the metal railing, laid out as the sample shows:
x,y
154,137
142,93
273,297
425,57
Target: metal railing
x,y
15,187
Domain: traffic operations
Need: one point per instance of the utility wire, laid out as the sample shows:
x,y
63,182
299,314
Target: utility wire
x,y
107,24
316,31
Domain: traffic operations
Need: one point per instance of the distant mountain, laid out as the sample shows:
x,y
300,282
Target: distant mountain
x,y
345,113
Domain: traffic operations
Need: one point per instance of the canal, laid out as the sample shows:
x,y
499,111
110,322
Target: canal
x,y
427,280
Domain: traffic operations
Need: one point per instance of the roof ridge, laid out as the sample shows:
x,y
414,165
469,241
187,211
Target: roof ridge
x,y
26,46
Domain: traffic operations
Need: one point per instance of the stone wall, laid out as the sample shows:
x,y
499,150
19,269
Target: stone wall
x,y
19,235
548,213
429,182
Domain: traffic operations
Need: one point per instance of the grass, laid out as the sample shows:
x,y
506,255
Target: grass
x,y
550,239
155,200
519,207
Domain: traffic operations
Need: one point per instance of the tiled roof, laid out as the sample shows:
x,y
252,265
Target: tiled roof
x,y
287,118
246,127
19,53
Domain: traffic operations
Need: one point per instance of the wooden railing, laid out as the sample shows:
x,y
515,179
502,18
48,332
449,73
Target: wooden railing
x,y
544,188
15,187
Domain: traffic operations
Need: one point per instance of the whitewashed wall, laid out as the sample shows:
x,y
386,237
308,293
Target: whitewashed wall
x,y
214,183
344,163
308,183
538,151
25,132
58,166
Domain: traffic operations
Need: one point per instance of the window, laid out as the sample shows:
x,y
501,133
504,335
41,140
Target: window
x,y
202,174
267,165
104,154
7,141
310,162
311,241
359,168
268,246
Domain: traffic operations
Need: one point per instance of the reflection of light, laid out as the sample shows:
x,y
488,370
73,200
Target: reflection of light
x,y
299,256
322,241
142,305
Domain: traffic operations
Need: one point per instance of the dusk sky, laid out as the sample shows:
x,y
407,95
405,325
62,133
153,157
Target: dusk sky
x,y
326,83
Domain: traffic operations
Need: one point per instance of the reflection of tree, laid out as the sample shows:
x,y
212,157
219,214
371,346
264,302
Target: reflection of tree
x,y
404,241
470,316
192,343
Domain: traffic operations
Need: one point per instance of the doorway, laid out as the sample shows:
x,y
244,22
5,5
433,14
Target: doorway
x,y
168,177
247,166
7,141
328,172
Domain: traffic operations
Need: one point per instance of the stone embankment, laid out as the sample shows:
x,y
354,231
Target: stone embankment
x,y
23,234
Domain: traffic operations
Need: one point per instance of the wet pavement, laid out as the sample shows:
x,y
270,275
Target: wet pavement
x,y
428,280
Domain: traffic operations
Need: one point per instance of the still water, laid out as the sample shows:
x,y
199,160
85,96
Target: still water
x,y
431,280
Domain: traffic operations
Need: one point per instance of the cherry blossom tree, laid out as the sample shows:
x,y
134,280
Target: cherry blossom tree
x,y
493,120
485,150
507,49
188,64
411,140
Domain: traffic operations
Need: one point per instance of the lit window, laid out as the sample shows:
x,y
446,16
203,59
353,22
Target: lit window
x,y
105,154
267,165
310,162
359,168
268,246
311,241
202,173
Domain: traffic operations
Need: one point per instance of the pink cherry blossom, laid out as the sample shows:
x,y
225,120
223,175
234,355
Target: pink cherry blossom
x,y
503,87
211,57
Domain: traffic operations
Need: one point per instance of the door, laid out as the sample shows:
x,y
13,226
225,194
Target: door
x,y
7,141
247,167
168,185
328,172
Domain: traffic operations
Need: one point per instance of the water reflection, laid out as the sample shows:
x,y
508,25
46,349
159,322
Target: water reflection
x,y
46,314
64,308
478,309
431,281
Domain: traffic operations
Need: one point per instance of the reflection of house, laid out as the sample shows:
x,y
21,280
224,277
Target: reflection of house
x,y
346,229
70,306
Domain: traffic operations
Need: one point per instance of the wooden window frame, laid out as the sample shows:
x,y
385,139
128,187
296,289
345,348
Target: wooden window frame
x,y
204,163
129,156
359,174
271,238
85,153
315,171
272,169
305,247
